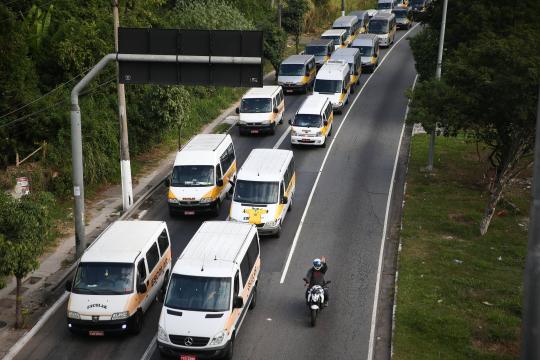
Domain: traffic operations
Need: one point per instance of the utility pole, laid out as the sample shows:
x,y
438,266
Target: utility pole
x,y
342,7
531,289
125,165
438,77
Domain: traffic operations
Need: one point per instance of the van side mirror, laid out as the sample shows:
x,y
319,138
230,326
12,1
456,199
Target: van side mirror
x,y
219,182
238,302
167,182
238,110
284,199
375,55
276,110
325,122
141,288
69,285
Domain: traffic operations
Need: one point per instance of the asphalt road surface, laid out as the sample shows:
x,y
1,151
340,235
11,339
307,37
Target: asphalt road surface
x,y
344,222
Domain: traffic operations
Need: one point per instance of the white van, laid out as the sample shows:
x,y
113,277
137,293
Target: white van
x,y
297,72
350,24
337,36
118,277
312,123
368,45
264,190
213,284
384,26
261,109
333,81
385,6
199,181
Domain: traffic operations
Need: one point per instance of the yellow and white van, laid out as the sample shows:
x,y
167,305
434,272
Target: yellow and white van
x,y
118,277
337,36
352,57
384,26
368,45
350,24
363,20
213,284
199,181
264,190
312,123
334,81
321,49
261,109
297,72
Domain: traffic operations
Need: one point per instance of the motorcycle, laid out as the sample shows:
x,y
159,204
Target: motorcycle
x,y
315,301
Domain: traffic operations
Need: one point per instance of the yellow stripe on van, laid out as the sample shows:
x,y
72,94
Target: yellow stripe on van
x,y
326,128
280,207
216,190
305,79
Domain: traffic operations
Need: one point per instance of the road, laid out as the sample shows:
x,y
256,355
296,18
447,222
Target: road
x,y
347,186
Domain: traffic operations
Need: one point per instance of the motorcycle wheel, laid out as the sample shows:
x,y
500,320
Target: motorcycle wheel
x,y
313,317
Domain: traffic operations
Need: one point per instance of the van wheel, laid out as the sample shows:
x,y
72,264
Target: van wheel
x,y
230,350
217,208
278,232
137,322
290,204
254,299
273,130
352,89
324,144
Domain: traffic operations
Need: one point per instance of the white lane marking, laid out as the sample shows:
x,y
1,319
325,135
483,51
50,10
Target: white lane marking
x,y
385,227
283,136
150,349
28,336
297,235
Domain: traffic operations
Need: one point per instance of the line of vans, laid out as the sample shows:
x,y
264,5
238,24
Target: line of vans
x,y
199,180
264,190
334,81
261,110
297,72
118,277
312,123
368,46
384,26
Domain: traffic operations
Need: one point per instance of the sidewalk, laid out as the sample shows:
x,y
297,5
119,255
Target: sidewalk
x,y
44,286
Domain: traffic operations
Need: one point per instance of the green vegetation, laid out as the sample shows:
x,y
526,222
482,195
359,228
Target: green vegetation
x,y
489,87
459,293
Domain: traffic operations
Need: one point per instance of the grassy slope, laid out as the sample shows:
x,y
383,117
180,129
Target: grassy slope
x,y
459,294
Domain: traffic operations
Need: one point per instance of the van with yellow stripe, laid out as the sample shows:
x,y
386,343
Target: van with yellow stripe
x,y
321,49
337,36
334,81
312,123
261,109
352,57
118,277
297,72
363,20
212,286
199,180
368,45
350,24
264,190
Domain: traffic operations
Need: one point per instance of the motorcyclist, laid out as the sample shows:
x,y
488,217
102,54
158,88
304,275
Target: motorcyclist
x,y
315,276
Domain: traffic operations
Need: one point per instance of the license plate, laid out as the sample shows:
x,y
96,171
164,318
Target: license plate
x,y
189,212
96,333
188,357
289,90
254,131
305,140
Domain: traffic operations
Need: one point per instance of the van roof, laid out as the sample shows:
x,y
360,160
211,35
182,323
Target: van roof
x,y
122,241
383,16
265,91
364,39
347,54
297,59
320,42
214,249
265,165
345,21
333,32
313,104
200,150
333,69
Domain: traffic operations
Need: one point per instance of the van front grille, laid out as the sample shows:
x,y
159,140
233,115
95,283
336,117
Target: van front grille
x,y
185,340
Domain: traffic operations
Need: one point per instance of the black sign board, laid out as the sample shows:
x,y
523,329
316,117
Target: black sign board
x,y
209,45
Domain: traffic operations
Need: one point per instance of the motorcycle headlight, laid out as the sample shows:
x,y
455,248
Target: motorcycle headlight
x,y
206,200
218,338
120,315
73,315
162,334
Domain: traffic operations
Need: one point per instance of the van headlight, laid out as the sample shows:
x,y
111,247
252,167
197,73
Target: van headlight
x,y
271,223
218,338
120,315
162,334
294,133
340,103
265,122
73,315
319,133
206,200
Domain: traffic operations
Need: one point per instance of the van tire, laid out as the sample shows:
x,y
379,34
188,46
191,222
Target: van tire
x,y
323,145
137,322
273,130
253,302
217,208
278,232
230,350
290,204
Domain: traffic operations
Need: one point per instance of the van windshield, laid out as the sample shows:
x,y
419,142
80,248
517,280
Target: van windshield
x,y
253,105
327,86
291,70
336,39
97,278
347,31
307,120
364,50
198,293
256,192
400,14
316,50
192,175
378,26
384,6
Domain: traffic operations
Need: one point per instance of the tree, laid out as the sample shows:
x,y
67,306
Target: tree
x,y
25,229
489,85
293,18
275,41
